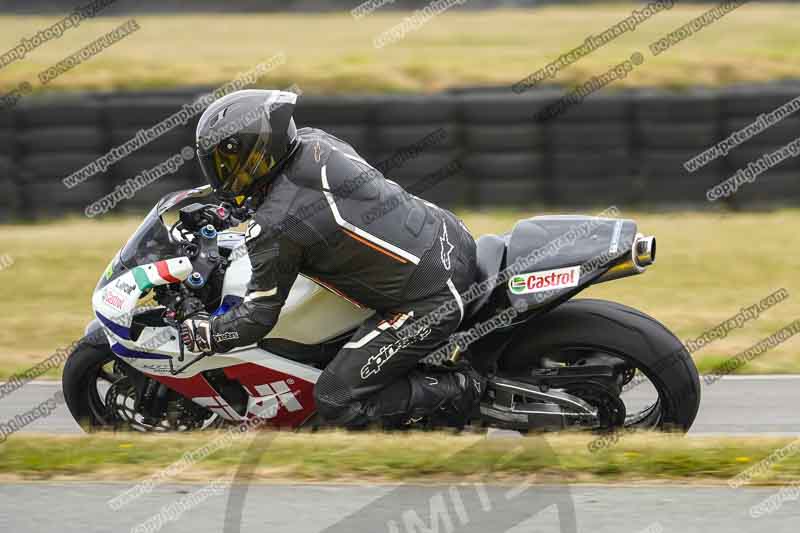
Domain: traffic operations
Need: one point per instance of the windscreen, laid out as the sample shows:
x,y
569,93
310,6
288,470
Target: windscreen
x,y
151,241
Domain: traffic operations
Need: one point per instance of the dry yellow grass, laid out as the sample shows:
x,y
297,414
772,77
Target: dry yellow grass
x,y
334,52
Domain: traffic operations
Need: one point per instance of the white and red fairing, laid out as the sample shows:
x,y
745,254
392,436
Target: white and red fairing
x,y
280,389
282,399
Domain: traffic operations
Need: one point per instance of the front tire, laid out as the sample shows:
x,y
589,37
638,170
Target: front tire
x,y
588,326
100,395
88,359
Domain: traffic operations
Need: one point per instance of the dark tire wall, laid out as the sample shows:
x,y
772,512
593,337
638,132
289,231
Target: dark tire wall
x,y
615,148
89,352
616,328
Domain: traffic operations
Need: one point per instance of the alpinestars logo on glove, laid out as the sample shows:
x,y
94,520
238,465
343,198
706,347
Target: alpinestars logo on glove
x,y
227,336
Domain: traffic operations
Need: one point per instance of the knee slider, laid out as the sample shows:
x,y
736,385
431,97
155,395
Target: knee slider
x,y
332,396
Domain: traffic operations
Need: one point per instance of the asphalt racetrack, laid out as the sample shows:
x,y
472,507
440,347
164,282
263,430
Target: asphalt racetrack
x,y
83,508
735,405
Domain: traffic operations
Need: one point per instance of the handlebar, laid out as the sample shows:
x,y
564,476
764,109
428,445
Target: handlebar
x,y
196,216
198,219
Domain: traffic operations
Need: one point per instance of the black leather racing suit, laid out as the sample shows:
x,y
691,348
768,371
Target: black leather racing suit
x,y
332,217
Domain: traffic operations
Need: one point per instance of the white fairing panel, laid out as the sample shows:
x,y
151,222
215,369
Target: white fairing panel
x,y
311,314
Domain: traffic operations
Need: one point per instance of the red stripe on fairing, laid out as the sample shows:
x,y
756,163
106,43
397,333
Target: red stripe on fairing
x,y
250,375
163,271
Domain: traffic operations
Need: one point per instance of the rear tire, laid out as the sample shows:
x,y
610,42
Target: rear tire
x,y
612,328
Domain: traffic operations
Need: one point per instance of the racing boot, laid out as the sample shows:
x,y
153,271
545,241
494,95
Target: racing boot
x,y
429,396
447,396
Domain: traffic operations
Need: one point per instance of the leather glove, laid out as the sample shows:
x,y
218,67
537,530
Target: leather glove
x,y
196,334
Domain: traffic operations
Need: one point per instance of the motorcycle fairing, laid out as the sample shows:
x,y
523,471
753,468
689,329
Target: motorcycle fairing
x,y
280,391
114,303
567,251
280,397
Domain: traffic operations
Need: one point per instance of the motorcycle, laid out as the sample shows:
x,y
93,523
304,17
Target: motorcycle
x,y
551,362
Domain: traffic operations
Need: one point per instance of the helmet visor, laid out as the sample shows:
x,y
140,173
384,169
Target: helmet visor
x,y
234,164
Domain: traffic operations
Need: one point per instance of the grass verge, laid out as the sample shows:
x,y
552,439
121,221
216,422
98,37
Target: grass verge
x,y
331,53
414,457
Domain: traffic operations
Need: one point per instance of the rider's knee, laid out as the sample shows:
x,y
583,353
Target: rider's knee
x,y
332,396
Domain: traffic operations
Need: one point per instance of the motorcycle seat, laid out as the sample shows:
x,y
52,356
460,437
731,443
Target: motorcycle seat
x,y
490,255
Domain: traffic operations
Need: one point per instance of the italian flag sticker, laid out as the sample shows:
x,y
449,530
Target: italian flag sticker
x,y
153,275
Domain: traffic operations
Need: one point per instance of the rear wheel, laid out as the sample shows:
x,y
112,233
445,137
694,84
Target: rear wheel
x,y
655,383
101,394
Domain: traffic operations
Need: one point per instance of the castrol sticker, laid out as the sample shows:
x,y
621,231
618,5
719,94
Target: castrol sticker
x,y
546,280
113,299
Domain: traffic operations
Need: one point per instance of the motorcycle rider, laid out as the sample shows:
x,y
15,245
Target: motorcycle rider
x,y
312,193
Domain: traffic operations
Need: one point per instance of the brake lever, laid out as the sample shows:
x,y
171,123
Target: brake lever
x,y
181,349
175,323
175,371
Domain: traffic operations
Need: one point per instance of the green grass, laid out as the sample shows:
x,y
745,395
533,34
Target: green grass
x,y
330,53
413,457
709,266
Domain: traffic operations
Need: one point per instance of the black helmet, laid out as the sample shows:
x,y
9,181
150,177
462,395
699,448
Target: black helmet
x,y
243,138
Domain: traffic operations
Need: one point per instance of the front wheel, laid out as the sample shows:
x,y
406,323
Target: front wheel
x,y
657,378
101,393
